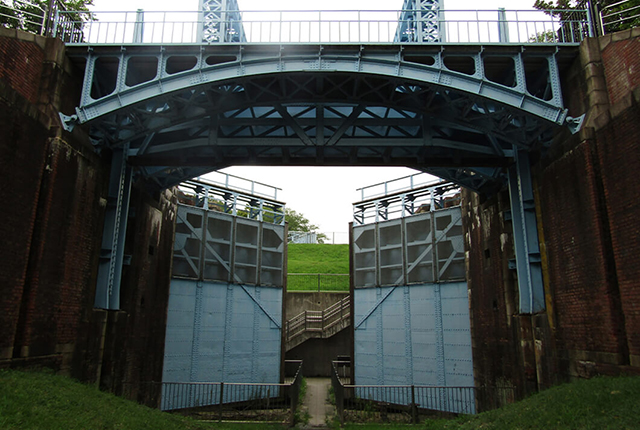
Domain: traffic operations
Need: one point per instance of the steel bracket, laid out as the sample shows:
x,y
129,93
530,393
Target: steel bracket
x,y
68,122
575,124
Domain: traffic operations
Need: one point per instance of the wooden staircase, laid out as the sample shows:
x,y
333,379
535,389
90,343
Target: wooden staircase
x,y
318,324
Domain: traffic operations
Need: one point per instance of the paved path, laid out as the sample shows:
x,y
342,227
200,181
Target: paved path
x,y
316,401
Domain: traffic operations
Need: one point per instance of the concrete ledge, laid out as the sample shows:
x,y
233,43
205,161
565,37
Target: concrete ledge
x,y
6,353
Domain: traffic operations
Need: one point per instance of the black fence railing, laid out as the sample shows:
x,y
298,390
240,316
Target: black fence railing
x,y
412,403
317,282
231,401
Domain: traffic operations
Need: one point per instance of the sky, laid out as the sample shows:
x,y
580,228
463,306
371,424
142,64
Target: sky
x,y
322,194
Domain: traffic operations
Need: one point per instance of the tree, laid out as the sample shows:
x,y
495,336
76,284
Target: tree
x,y
623,16
298,222
36,16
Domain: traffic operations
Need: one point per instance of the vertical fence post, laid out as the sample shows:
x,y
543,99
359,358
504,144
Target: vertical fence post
x,y
318,282
414,407
220,402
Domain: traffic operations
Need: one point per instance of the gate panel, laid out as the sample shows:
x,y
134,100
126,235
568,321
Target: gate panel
x,y
222,324
411,307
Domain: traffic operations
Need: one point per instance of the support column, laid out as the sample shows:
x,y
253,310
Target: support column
x,y
525,236
114,232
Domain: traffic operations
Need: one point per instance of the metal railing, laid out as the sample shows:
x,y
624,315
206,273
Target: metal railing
x,y
254,202
619,16
23,15
335,27
317,282
234,401
417,197
318,324
411,403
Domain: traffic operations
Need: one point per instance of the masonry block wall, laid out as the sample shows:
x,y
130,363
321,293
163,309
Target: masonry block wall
x,y
588,200
54,197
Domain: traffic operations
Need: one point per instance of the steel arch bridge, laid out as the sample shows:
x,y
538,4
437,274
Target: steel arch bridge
x,y
465,107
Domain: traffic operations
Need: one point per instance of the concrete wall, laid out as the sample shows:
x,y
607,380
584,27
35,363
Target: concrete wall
x,y
54,196
588,201
317,353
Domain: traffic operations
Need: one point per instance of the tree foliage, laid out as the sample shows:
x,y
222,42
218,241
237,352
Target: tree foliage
x,y
298,222
622,20
32,15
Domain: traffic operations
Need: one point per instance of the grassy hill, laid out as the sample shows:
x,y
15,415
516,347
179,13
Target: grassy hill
x,y
35,400
47,401
318,258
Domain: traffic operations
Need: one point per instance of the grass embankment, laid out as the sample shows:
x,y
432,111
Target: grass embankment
x,y
46,401
318,259
599,403
34,400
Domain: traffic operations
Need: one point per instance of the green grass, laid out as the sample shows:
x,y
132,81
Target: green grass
x,y
318,258
596,404
30,400
36,400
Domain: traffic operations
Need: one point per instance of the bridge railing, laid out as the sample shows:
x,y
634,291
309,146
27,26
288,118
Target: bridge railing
x,y
312,27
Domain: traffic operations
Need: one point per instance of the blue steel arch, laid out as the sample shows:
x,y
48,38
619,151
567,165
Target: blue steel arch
x,y
422,64
446,84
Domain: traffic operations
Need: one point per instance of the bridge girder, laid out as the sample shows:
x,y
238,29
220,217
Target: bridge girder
x,y
425,107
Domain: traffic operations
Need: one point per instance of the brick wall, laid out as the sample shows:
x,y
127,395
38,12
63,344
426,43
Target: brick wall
x,y
496,329
135,352
21,60
618,146
588,201
23,143
54,198
621,60
582,280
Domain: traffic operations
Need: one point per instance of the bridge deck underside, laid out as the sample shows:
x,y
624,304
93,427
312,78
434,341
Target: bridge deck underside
x,y
457,112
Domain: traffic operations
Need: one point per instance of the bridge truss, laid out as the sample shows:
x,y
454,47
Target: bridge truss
x,y
468,113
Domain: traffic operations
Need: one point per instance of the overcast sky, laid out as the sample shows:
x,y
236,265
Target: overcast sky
x,y
324,195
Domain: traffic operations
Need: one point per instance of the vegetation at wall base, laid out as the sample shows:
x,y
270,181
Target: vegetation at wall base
x,y
42,400
599,403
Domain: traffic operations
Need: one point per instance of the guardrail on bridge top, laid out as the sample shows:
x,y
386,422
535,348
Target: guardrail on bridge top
x,y
557,26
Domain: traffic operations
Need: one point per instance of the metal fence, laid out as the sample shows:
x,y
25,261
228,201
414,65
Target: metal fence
x,y
411,403
235,401
335,27
317,282
619,16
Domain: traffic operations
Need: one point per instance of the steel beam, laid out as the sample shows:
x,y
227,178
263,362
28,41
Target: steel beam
x,y
525,236
114,233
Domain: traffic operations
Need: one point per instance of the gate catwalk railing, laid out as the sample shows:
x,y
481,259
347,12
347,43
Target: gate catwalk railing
x,y
318,324
234,195
334,27
408,403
